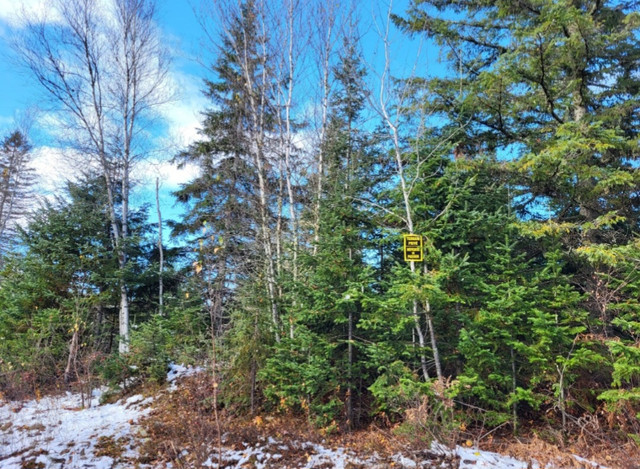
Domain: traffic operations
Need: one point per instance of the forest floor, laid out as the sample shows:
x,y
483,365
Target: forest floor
x,y
162,429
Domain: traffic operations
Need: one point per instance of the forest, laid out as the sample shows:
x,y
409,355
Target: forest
x,y
515,160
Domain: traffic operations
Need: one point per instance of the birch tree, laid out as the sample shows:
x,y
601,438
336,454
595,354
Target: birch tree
x,y
103,72
323,44
391,103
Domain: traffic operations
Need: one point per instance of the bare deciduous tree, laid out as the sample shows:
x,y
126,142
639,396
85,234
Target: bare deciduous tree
x,y
323,41
103,71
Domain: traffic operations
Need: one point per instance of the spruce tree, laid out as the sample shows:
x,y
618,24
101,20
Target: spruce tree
x,y
232,208
222,201
551,87
16,179
334,279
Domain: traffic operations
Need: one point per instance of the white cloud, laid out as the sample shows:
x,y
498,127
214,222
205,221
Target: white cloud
x,y
14,12
54,167
170,176
51,169
183,117
184,114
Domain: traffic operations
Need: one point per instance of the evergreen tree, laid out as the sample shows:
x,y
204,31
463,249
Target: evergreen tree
x,y
233,209
58,295
15,184
223,200
553,87
335,279
527,324
553,84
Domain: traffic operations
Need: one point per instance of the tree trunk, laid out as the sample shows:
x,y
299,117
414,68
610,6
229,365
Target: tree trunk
x,y
160,251
73,354
325,48
514,388
122,256
434,343
257,97
432,334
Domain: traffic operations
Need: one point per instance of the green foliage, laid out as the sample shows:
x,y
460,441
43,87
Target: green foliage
x,y
179,336
524,189
62,289
396,389
149,349
299,376
117,372
245,347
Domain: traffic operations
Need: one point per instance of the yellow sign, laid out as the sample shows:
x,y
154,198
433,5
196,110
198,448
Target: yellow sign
x,y
413,248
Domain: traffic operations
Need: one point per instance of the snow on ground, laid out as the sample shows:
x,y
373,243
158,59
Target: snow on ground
x,y
313,455
474,458
56,432
270,452
179,371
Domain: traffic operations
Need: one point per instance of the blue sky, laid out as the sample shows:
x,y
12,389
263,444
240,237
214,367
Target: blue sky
x,y
21,97
182,34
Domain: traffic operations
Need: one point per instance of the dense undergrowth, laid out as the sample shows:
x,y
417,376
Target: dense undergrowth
x,y
181,429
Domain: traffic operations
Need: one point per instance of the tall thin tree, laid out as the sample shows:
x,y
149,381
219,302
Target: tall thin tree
x,y
16,179
104,72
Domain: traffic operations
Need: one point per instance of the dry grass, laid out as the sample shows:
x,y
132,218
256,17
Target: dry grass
x,y
607,450
182,429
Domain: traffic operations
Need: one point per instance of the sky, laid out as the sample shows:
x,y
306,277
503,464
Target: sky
x,y
183,36
21,97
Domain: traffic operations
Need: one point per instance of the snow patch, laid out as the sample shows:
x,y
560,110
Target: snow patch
x,y
474,458
180,371
57,432
266,454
